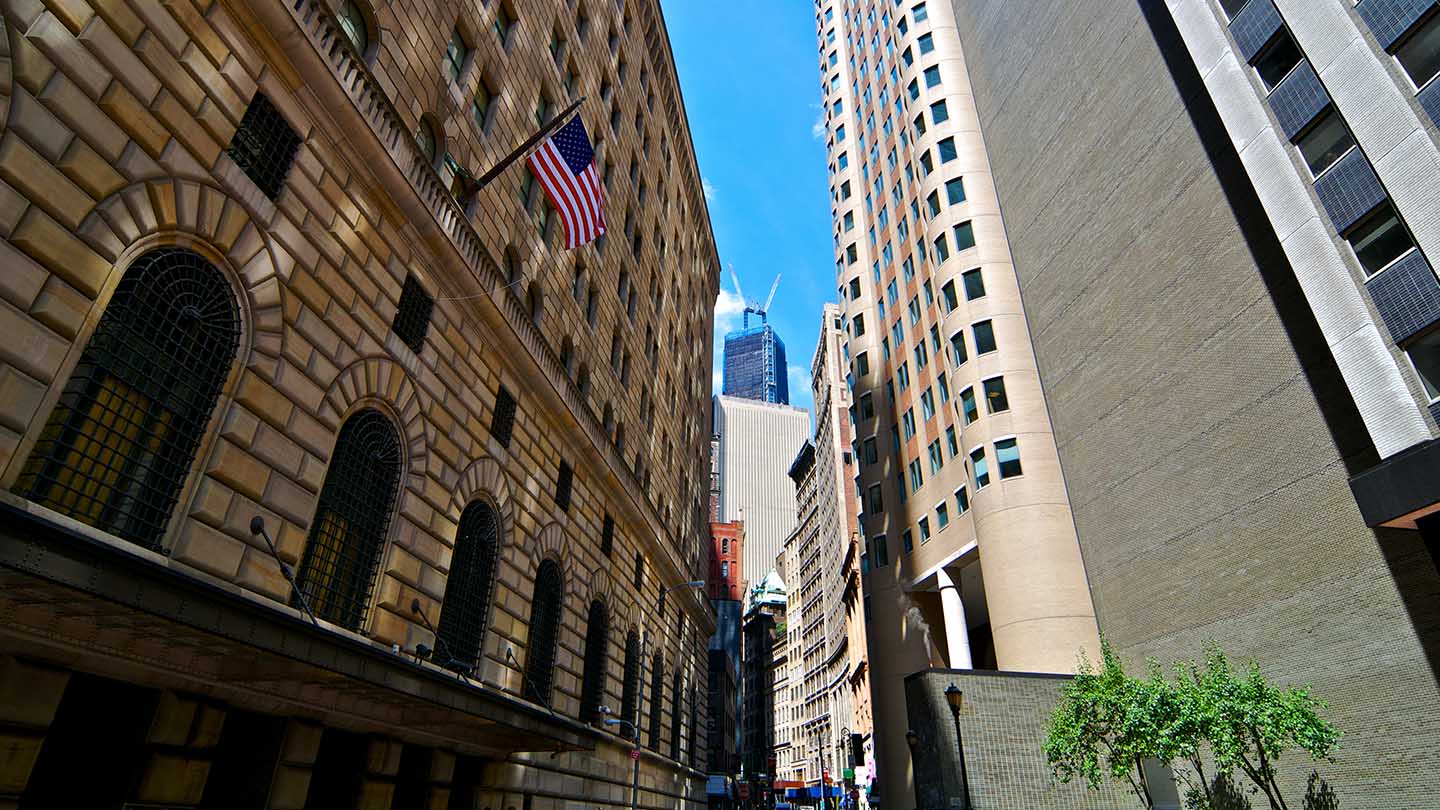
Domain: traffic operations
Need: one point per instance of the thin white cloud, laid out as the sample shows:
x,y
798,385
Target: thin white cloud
x,y
729,306
799,376
707,187
817,129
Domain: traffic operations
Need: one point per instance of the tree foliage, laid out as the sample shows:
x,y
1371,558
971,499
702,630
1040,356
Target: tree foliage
x,y
1109,721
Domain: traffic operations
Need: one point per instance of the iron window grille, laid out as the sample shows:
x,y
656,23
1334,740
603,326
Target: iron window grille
x,y
694,727
347,535
657,698
412,318
630,696
607,536
563,484
264,146
544,631
639,569
597,643
502,422
121,439
675,716
470,588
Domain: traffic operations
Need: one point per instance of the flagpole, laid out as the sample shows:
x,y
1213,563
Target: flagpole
x,y
484,179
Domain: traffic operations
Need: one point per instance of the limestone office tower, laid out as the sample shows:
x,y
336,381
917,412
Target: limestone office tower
x,y
241,279
1224,246
970,543
757,442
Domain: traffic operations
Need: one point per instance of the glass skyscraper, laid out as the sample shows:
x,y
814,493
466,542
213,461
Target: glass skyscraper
x,y
755,365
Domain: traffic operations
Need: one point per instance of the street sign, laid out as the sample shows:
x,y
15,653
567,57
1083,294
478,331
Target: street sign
x,y
634,753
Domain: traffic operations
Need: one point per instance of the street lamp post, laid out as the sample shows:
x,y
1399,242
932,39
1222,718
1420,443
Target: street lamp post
x,y
843,760
913,741
956,698
634,753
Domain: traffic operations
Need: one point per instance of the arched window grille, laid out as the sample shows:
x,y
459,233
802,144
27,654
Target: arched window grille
x,y
544,630
348,532
630,699
675,715
468,592
597,654
657,698
120,442
355,27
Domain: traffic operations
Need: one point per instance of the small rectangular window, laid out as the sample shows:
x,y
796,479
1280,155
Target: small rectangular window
x,y
948,296
932,76
1419,53
925,529
967,405
1324,142
964,236
957,348
882,552
456,52
412,317
1278,58
639,570
974,284
1379,239
926,42
955,190
946,149
995,398
502,421
920,12
1007,456
907,541
264,145
607,536
942,248
942,515
984,337
981,468
962,501
563,484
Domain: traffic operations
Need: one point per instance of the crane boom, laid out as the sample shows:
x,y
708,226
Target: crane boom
x,y
768,301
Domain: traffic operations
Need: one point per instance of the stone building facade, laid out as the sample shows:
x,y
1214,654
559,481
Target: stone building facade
x,y
251,296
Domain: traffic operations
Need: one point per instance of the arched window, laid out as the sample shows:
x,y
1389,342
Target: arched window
x,y
544,630
631,696
466,609
119,444
355,25
427,139
675,715
597,654
348,532
657,698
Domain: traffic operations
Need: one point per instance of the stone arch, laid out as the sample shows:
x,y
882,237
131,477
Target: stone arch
x,y
485,480
380,380
548,543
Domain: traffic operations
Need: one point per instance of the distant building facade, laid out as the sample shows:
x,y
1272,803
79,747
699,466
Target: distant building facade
x,y
727,569
755,366
764,631
758,440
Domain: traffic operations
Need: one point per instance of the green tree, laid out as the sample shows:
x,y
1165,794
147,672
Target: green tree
x,y
1248,723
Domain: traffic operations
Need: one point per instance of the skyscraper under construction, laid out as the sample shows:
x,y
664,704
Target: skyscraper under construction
x,y
755,365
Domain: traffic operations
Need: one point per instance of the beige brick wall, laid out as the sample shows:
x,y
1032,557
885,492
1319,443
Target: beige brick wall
x,y
115,119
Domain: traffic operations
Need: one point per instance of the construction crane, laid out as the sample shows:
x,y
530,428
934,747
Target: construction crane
x,y
754,306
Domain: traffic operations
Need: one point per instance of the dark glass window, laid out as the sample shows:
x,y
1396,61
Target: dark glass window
x,y
264,145
544,632
1379,239
995,398
348,532
974,284
120,441
1007,454
657,698
412,318
470,587
563,483
607,536
1419,53
675,715
1232,7
630,696
639,569
502,422
1325,142
597,654
964,236
1277,60
984,337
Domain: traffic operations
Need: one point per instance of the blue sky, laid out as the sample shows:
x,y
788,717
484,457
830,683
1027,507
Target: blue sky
x,y
749,74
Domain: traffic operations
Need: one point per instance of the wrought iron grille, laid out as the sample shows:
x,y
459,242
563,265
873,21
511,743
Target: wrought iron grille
x,y
348,533
631,694
675,716
119,443
657,698
412,319
607,536
264,146
502,423
563,484
640,571
597,652
468,591
694,727
544,629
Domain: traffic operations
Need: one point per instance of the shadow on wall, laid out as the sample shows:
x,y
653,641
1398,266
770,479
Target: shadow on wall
x,y
1319,795
1414,575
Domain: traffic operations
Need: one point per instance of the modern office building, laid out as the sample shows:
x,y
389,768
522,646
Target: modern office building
x,y
755,365
255,320
1225,247
758,440
825,598
970,542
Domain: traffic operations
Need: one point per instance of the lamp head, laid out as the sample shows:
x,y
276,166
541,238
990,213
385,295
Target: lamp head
x,y
912,739
257,524
422,651
954,697
414,605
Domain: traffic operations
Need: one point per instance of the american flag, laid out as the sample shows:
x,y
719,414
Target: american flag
x,y
565,166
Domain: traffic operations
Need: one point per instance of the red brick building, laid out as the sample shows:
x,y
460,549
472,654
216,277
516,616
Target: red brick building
x,y
726,580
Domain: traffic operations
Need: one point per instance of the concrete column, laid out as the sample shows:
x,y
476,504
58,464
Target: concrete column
x,y
29,696
297,761
957,631
183,734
